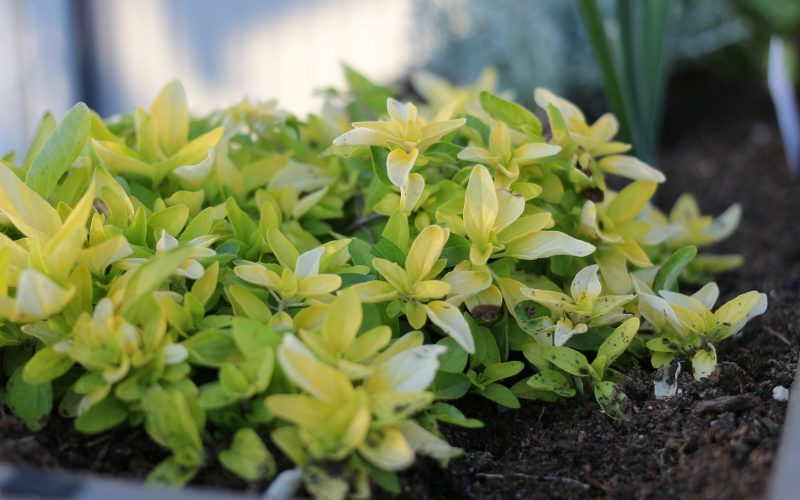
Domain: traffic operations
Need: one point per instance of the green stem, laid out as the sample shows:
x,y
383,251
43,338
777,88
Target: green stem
x,y
611,81
632,66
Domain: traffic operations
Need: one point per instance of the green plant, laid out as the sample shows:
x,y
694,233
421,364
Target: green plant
x,y
632,64
583,308
685,324
563,372
772,16
248,275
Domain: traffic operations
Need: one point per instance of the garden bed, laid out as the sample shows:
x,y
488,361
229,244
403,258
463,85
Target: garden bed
x,y
724,147
717,439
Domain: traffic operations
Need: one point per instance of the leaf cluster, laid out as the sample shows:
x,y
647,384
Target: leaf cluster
x,y
249,280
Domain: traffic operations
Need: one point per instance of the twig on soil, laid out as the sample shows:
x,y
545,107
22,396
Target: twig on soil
x,y
487,475
522,474
597,484
775,333
567,480
102,452
727,403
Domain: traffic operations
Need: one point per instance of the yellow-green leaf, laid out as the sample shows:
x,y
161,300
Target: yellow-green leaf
x,y
29,212
170,113
60,150
343,321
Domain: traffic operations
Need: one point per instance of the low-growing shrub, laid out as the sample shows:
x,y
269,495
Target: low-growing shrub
x,y
249,276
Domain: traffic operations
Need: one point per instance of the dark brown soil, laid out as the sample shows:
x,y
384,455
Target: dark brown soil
x,y
722,145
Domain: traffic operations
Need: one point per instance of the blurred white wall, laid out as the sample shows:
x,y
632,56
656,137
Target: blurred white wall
x,y
37,66
220,50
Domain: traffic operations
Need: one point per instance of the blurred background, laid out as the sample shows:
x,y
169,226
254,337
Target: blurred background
x,y
117,54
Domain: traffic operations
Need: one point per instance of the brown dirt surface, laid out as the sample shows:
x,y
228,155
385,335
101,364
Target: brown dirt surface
x,y
716,439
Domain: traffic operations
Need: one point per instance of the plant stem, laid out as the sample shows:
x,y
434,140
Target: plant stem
x,y
634,81
361,222
593,20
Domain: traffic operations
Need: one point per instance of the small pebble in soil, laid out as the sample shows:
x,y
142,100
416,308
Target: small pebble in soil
x,y
780,393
